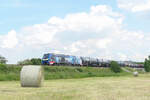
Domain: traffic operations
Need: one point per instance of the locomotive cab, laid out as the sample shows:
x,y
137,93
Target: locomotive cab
x,y
48,59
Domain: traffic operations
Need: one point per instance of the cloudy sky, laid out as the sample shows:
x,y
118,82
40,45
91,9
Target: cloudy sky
x,y
108,29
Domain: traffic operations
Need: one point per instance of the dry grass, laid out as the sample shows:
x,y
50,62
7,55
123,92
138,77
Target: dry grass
x,y
97,88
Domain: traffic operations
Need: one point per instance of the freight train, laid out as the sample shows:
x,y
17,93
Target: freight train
x,y
61,59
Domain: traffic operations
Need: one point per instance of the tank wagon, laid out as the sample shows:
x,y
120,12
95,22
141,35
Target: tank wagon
x,y
70,60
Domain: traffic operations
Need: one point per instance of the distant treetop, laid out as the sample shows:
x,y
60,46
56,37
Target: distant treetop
x,y
3,60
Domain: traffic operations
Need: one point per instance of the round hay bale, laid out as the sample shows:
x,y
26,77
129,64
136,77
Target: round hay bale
x,y
135,74
31,76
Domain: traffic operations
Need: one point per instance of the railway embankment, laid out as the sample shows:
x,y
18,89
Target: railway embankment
x,y
12,72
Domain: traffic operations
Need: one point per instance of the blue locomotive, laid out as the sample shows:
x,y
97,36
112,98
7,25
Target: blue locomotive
x,y
61,59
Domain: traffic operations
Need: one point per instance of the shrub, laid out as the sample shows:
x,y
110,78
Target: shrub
x,y
79,69
147,65
36,61
3,68
114,66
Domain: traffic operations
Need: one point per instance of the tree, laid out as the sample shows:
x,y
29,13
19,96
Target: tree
x,y
3,60
36,61
33,61
147,64
25,62
114,66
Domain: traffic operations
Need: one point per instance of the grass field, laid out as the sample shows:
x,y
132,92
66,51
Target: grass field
x,y
94,88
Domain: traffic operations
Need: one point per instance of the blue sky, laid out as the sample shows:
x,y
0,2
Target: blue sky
x,y
20,13
26,20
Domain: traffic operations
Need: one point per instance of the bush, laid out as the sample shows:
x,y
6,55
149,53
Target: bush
x,y
36,61
3,68
147,65
114,66
79,69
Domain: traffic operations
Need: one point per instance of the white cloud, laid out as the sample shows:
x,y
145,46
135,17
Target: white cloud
x,y
38,34
98,33
103,43
135,5
9,41
100,16
103,10
123,57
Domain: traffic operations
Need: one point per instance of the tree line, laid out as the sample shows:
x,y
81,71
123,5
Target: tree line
x,y
33,61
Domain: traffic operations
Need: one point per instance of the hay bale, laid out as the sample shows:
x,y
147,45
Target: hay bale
x,y
135,74
31,76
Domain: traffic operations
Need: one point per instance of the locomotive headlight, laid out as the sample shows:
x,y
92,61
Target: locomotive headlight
x,y
45,59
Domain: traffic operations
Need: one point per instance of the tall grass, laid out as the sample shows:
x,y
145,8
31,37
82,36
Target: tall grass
x,y
59,72
12,72
8,73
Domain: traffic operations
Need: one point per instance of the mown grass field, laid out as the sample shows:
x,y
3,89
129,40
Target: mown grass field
x,y
94,88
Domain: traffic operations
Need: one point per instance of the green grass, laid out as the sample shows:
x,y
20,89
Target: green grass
x,y
9,72
94,88
12,72
59,72
134,69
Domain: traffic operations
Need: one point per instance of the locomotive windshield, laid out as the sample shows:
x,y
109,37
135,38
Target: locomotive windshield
x,y
45,56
